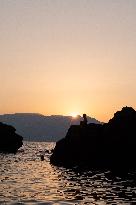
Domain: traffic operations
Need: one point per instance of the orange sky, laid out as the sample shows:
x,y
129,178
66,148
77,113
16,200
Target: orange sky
x,y
60,57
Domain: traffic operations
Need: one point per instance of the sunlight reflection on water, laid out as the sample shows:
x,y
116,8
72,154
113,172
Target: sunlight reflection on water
x,y
25,179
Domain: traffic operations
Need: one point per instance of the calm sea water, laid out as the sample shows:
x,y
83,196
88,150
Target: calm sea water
x,y
25,179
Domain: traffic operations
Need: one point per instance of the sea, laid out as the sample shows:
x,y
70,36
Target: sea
x,y
26,180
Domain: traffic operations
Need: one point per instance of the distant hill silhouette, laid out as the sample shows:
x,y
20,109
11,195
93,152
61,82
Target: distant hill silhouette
x,y
112,144
37,127
10,141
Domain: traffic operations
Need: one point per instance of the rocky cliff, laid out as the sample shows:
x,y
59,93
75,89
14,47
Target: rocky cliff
x,y
112,144
10,141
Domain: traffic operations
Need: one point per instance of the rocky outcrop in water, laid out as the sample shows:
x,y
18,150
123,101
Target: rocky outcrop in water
x,y
112,144
10,141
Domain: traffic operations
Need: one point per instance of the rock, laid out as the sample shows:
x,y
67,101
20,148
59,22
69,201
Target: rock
x,y
111,144
10,141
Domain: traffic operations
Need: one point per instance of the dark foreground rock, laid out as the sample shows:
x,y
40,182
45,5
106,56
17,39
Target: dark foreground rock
x,y
111,145
10,142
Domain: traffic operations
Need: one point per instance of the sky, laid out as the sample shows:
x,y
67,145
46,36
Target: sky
x,y
64,57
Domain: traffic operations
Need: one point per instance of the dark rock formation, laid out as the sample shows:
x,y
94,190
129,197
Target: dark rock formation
x,y
112,144
10,142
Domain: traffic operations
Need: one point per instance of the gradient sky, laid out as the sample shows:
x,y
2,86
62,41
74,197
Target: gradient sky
x,y
65,56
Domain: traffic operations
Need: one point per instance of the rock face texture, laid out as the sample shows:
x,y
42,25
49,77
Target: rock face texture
x,y
112,144
10,142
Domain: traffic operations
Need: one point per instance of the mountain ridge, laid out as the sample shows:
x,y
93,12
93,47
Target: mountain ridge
x,y
38,127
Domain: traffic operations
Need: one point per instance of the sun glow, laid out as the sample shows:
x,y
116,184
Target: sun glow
x,y
74,114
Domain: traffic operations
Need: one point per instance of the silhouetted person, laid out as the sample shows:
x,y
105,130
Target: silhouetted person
x,y
84,122
85,119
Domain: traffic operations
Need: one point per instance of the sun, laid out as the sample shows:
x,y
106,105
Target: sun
x,y
74,114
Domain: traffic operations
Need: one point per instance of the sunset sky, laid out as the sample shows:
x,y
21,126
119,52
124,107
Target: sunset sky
x,y
67,56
